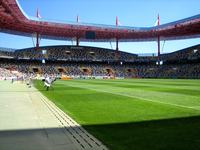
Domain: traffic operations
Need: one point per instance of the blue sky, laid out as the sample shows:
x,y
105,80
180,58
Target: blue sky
x,y
138,13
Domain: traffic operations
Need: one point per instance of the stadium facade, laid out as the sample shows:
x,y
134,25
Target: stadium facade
x,y
80,61
93,62
15,21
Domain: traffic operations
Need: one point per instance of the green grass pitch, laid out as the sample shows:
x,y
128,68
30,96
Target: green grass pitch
x,y
139,114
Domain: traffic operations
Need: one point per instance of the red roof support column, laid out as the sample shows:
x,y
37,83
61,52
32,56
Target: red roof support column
x,y
37,41
158,48
117,44
117,41
77,41
37,34
77,38
158,23
117,55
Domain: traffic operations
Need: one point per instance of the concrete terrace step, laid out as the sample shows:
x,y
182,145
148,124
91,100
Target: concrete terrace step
x,y
30,121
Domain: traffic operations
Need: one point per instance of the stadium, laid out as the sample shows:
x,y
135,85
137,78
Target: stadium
x,y
74,96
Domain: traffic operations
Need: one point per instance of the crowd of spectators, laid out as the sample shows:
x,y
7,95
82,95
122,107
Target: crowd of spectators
x,y
6,54
5,73
169,71
78,63
115,70
73,53
84,53
190,53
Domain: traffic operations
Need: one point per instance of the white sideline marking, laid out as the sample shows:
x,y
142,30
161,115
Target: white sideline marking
x,y
141,98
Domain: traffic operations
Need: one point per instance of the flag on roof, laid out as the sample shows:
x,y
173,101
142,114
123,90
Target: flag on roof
x,y
38,14
157,23
117,22
77,19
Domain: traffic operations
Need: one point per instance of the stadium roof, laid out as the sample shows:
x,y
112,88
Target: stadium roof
x,y
14,20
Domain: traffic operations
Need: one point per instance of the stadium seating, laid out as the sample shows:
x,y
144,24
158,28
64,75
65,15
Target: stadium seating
x,y
97,62
74,53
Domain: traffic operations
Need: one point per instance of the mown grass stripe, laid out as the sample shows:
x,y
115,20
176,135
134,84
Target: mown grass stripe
x,y
137,97
169,97
192,91
124,122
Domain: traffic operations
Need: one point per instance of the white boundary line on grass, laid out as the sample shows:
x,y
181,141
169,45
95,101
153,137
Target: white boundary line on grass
x,y
144,99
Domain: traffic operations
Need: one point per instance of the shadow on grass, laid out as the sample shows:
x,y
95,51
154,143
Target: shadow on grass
x,y
58,138
169,134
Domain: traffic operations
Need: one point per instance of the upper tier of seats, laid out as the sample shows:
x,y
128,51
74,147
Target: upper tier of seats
x,y
85,53
75,53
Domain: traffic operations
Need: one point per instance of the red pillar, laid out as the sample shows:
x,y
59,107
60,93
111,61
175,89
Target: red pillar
x,y
117,44
77,38
117,49
77,41
158,47
37,34
158,40
117,40
37,41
